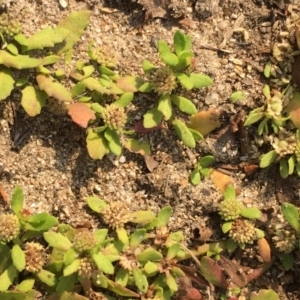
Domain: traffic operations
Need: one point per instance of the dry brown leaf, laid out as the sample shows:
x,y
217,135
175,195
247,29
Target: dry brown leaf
x,y
264,249
205,121
221,180
4,195
297,33
151,163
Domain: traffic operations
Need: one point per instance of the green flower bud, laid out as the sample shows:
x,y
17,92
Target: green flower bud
x,y
9,227
230,209
243,231
163,80
84,241
35,256
114,117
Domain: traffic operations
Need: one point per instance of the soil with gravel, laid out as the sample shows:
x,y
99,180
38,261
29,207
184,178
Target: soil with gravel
x,y
232,41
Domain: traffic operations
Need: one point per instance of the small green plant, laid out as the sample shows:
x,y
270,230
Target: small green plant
x,y
287,232
166,82
19,252
239,221
202,169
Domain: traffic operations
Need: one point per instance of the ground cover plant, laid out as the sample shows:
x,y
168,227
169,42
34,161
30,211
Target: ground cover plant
x,y
136,254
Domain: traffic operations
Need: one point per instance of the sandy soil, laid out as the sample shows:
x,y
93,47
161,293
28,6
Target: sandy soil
x,y
52,165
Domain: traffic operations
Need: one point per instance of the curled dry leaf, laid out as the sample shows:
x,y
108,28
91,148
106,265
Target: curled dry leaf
x,y
81,114
151,163
264,249
221,180
4,195
205,121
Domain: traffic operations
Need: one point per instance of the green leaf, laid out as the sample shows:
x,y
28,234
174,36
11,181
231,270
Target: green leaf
x,y
184,134
268,158
57,240
7,278
66,284
237,96
125,99
21,39
163,216
165,106
264,295
166,55
47,37
113,141
21,81
171,282
17,200
50,60
147,66
140,280
291,215
287,261
100,234
226,226
18,258
123,236
96,144
291,164
5,254
78,89
75,23
96,204
26,285
266,92
184,104
103,263
283,168
12,49
151,268
181,42
53,88
40,222
195,177
72,267
196,134
229,192
200,80
122,277
173,250
251,213
142,217
152,118
136,238
174,237
267,69
254,116
121,290
33,100
185,81
149,254
130,84
18,61
47,277
70,256
136,146
206,161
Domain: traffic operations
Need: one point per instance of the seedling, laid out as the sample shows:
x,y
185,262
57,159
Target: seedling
x,y
165,81
239,221
201,169
17,253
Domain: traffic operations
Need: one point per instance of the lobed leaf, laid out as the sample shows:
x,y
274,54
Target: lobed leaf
x,y
6,83
57,240
81,114
18,258
267,159
165,106
96,144
200,81
53,88
135,146
75,23
18,61
152,118
33,100
113,141
47,37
